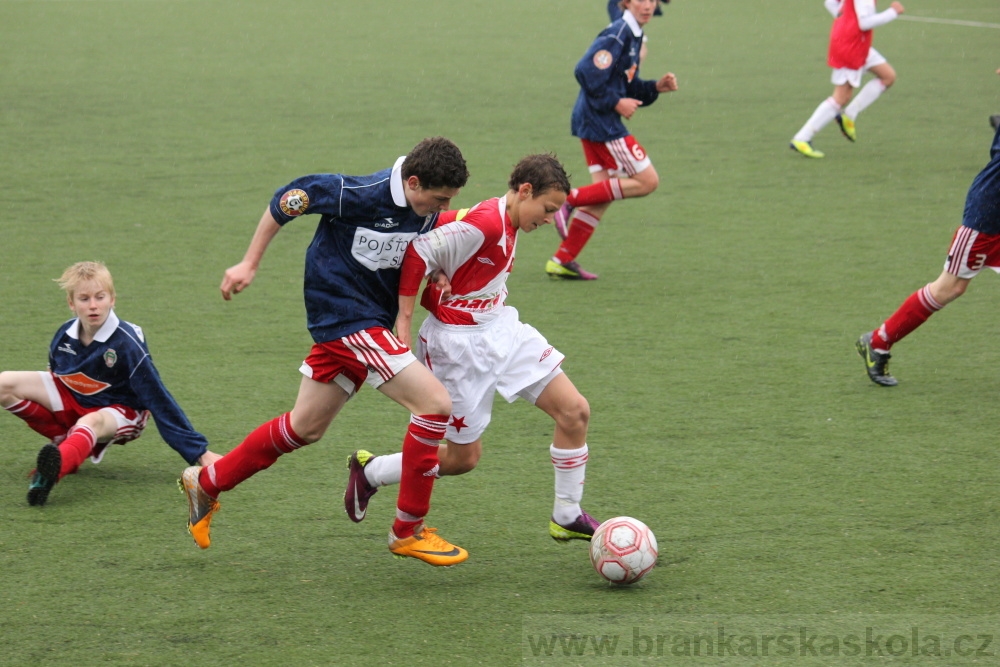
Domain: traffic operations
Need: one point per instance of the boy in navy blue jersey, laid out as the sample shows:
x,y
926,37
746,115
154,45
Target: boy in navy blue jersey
x,y
975,245
100,388
615,12
351,296
610,89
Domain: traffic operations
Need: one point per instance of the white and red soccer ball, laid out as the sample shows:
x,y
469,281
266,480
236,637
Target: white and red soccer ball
x,y
623,550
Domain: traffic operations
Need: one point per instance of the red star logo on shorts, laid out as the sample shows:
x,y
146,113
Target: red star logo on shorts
x,y
458,423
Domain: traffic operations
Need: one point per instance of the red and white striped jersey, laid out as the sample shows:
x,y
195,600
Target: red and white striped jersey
x,y
475,251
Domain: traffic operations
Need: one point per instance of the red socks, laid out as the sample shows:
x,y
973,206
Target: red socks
x,y
258,451
601,192
915,310
420,465
580,231
76,448
39,418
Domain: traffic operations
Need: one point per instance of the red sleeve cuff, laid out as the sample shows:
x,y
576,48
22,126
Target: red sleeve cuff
x,y
412,274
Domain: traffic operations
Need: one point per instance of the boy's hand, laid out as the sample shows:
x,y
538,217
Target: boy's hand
x,y
236,279
667,84
627,105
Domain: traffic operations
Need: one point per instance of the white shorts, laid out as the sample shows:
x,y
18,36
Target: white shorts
x,y
853,76
472,362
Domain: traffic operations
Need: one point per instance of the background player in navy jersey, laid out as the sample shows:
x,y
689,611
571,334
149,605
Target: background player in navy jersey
x,y
610,89
975,245
351,296
477,346
615,12
100,387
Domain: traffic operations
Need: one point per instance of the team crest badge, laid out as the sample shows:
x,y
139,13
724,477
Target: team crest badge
x,y
110,357
602,59
294,202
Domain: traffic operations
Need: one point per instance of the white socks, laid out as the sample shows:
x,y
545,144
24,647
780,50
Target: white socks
x,y
571,469
869,93
825,112
385,469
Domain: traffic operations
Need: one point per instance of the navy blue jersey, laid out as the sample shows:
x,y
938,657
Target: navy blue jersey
x,y
352,265
116,369
982,204
608,72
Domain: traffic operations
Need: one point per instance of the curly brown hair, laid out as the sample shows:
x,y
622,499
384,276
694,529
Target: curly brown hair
x,y
437,163
542,171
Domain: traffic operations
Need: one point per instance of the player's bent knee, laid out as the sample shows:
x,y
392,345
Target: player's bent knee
x,y
6,387
576,416
458,467
309,433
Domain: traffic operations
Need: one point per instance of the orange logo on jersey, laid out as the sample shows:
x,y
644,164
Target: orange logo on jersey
x,y
631,72
603,60
83,384
294,202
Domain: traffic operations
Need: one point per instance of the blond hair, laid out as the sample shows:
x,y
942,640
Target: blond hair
x,y
82,272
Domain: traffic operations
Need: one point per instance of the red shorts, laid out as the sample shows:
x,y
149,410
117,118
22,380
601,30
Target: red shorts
x,y
371,355
68,411
619,157
970,251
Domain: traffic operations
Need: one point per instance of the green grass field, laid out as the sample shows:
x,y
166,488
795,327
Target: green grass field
x,y
730,411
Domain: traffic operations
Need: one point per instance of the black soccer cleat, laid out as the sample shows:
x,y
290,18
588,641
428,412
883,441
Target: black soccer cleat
x,y
46,475
876,363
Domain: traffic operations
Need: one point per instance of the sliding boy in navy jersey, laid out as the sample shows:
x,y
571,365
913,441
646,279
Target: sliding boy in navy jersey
x,y
975,245
351,295
610,89
100,387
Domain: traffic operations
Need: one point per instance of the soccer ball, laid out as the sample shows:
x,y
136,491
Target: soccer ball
x,y
623,550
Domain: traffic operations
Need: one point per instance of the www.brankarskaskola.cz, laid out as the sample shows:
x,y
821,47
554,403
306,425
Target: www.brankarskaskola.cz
x,y
802,641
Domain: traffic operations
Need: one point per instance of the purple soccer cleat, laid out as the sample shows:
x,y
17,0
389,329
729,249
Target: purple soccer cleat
x,y
581,529
568,271
561,220
359,491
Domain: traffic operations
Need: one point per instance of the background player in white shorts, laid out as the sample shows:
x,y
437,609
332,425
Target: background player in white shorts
x,y
850,55
475,344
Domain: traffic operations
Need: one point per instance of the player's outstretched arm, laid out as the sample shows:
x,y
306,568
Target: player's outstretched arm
x,y
238,277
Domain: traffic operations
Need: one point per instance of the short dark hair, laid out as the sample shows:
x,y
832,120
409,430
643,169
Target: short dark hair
x,y
543,171
437,163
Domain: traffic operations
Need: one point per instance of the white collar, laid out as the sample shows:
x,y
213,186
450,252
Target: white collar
x,y
502,207
396,184
102,335
632,23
